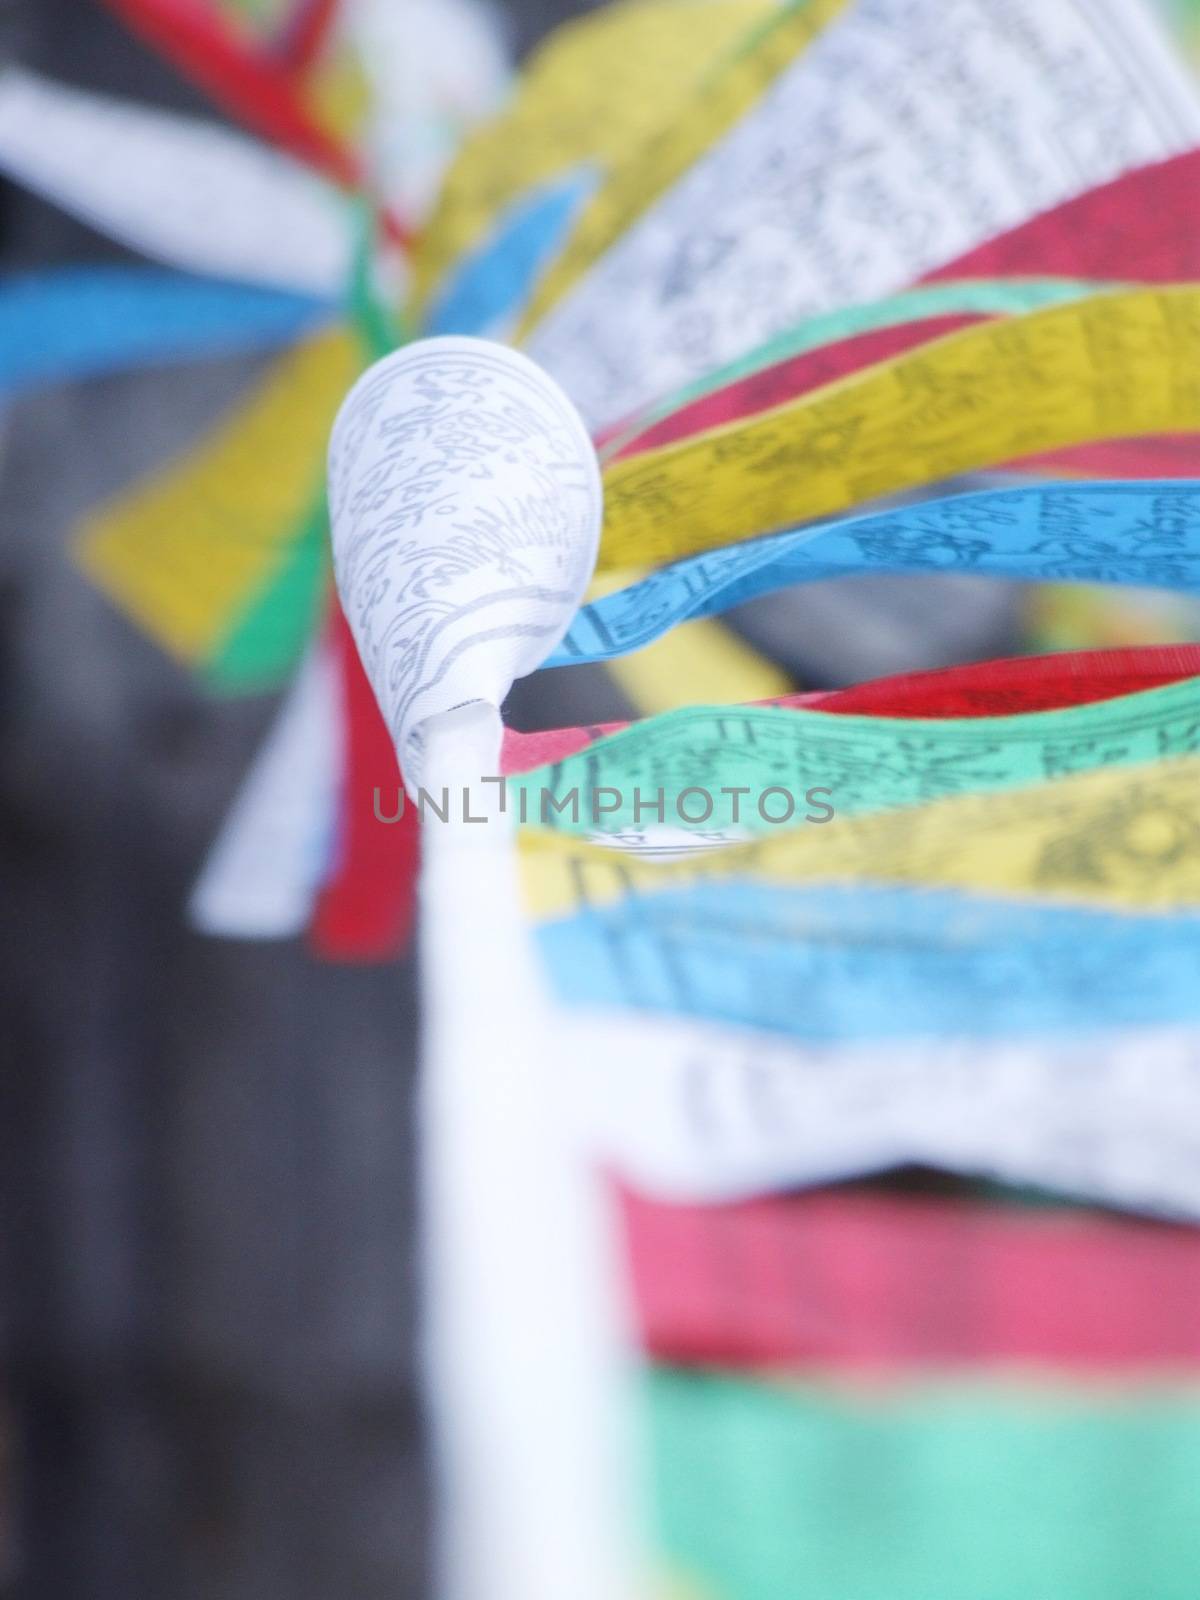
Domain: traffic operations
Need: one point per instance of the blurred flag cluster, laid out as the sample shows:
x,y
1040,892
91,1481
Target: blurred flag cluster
x,y
908,1097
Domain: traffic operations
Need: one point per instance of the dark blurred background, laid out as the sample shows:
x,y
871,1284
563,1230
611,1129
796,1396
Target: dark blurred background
x,y
208,1299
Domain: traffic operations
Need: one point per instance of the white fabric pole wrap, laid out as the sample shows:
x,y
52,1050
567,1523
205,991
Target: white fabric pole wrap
x,y
465,504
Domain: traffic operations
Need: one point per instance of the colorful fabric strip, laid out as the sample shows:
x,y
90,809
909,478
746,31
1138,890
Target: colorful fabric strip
x,y
927,1491
860,962
711,767
1135,533
1109,367
80,322
863,1280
